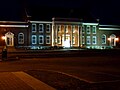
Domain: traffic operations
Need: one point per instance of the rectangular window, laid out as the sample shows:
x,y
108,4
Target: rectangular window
x,y
88,40
48,39
94,29
73,28
41,28
41,39
34,28
59,40
59,28
73,39
34,39
94,41
66,28
48,28
88,29
83,40
83,29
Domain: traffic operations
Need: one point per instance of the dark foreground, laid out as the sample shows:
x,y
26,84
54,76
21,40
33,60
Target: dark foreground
x,y
71,70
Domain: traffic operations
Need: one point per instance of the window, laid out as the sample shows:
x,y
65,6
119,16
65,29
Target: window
x,y
88,39
21,38
41,39
83,29
74,29
59,40
73,39
66,28
41,28
34,39
94,29
59,28
103,39
88,29
83,40
94,41
48,28
48,39
33,27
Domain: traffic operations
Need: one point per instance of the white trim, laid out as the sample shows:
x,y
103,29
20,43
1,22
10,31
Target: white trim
x,y
95,29
48,28
41,39
41,28
88,38
35,28
90,24
88,29
59,39
73,39
64,22
41,22
47,39
20,41
94,37
11,22
35,39
13,25
105,38
109,28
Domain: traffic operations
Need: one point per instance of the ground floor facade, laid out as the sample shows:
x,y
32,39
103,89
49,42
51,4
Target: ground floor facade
x,y
58,33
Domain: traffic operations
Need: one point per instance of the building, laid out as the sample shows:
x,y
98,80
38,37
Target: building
x,y
60,32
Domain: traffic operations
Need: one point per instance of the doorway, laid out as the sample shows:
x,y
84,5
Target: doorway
x,y
9,39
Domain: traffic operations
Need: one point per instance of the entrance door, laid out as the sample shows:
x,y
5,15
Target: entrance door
x,y
9,39
66,40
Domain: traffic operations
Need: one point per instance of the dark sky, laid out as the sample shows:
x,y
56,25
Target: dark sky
x,y
108,11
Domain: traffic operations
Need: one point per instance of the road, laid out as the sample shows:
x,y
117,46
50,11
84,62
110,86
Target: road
x,y
90,69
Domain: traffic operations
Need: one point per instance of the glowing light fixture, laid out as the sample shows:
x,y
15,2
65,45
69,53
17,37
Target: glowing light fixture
x,y
109,39
67,43
116,39
3,37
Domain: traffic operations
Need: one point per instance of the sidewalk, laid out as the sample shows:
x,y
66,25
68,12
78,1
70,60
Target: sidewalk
x,y
21,81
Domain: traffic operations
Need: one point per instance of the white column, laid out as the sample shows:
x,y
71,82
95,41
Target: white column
x,y
71,35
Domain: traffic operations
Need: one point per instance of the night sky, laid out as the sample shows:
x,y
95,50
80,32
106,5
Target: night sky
x,y
108,11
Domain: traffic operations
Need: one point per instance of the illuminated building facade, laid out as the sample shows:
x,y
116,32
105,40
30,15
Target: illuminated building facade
x,y
60,32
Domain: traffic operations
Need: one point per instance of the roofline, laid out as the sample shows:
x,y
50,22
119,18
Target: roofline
x,y
90,23
40,21
109,28
13,25
12,22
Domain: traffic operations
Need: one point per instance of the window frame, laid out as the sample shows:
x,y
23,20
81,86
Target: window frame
x,y
41,39
41,30
104,39
88,38
35,28
48,39
19,40
35,39
48,28
94,37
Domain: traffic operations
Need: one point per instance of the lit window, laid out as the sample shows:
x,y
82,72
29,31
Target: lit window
x,y
94,29
74,29
48,28
88,29
66,28
83,40
33,27
73,39
103,39
88,40
59,28
21,38
59,40
34,39
41,28
41,39
94,41
48,39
